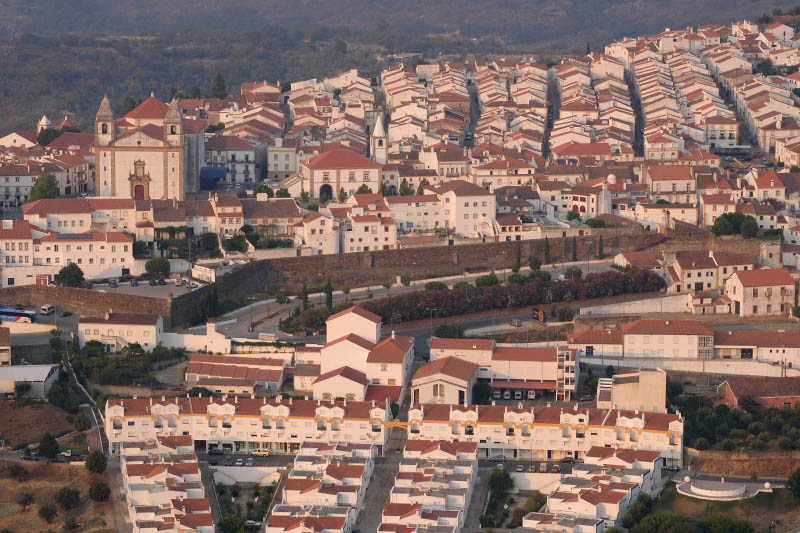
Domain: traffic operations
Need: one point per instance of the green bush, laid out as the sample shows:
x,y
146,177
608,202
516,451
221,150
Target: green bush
x,y
96,462
487,280
48,512
99,492
67,498
435,286
158,266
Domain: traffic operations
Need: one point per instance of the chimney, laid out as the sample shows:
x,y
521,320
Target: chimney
x,y
163,398
290,400
236,399
667,322
252,396
151,400
279,398
373,403
393,336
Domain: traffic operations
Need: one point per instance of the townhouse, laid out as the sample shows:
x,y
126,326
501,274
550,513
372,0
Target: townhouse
x,y
701,271
767,291
118,330
246,424
546,432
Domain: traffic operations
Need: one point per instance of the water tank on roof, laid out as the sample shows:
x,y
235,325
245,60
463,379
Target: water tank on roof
x,y
611,179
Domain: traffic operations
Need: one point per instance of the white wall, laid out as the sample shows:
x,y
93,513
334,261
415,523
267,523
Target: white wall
x,y
263,475
709,366
667,304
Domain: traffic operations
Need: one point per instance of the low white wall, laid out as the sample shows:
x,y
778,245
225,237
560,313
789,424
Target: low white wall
x,y
263,475
544,483
668,304
21,328
277,253
179,265
733,367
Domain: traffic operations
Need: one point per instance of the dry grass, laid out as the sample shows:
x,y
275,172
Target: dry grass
x,y
27,422
43,482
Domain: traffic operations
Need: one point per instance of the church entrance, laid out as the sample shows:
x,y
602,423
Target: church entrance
x,y
138,192
326,190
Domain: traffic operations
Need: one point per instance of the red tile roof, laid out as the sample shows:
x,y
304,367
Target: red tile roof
x,y
346,372
360,311
764,277
449,366
666,327
340,158
152,107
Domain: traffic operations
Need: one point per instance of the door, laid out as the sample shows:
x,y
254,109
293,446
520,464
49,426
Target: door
x,y
738,310
416,395
698,286
138,192
461,399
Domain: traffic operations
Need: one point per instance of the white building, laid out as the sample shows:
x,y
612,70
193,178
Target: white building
x,y
118,330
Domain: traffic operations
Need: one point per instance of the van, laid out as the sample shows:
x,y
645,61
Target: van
x,y
496,393
47,309
263,453
517,394
531,394
507,395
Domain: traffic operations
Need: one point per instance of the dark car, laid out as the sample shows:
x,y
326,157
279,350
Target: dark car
x,y
228,462
162,281
153,282
66,313
672,468
134,283
567,460
213,462
214,451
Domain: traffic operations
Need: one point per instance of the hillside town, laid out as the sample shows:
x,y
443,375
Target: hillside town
x,y
495,293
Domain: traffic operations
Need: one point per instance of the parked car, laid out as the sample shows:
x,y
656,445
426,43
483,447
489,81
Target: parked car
x,y
251,523
250,461
507,395
228,462
586,398
520,468
542,468
532,468
113,283
517,394
134,283
567,460
66,313
555,469
672,468
152,282
213,462
67,453
214,451
496,394
162,281
264,453
515,322
497,458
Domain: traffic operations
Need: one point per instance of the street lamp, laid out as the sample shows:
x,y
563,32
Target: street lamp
x,y
504,267
250,325
431,309
413,281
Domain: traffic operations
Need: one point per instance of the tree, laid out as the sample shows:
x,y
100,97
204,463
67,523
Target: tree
x,y
364,189
517,259
218,87
329,294
21,388
572,215
574,249
785,443
47,135
96,462
174,92
247,229
600,253
500,482
435,286
304,296
194,92
44,187
794,483
128,105
534,263
81,423
487,280
546,251
48,447
405,189
749,228
282,193
18,472
342,195
99,492
70,276
609,371
209,242
265,189
241,193
231,523
573,272
48,512
422,184
25,499
157,266
67,498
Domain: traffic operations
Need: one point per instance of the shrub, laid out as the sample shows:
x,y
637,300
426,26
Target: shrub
x,y
158,266
67,498
18,472
48,447
572,215
435,286
517,278
573,272
464,285
99,492
534,263
487,280
81,423
25,499
48,512
449,331
96,462
701,444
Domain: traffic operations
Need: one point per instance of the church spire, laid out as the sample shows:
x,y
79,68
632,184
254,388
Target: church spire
x,y
173,112
104,112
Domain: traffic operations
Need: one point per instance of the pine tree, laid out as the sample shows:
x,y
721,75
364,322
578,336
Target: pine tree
x,y
546,251
304,296
600,248
329,294
574,249
517,259
218,87
588,48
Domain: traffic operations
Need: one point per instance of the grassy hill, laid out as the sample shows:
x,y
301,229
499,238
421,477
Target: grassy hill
x,y
60,57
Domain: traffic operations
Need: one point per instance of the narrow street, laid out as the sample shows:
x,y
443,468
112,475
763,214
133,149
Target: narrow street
x,y
369,517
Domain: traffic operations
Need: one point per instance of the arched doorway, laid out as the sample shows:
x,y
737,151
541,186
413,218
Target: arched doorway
x,y
326,190
138,192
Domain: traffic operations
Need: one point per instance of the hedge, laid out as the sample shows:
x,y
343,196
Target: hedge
x,y
535,291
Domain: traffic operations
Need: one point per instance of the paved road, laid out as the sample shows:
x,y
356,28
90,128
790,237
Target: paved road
x,y
271,460
143,289
380,486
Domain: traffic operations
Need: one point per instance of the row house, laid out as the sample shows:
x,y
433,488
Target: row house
x,y
546,432
245,424
702,271
243,159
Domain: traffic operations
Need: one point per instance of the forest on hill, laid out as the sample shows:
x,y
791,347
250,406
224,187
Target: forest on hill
x,y
60,57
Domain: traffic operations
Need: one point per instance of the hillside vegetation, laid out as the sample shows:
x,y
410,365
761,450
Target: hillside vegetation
x,y
60,57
